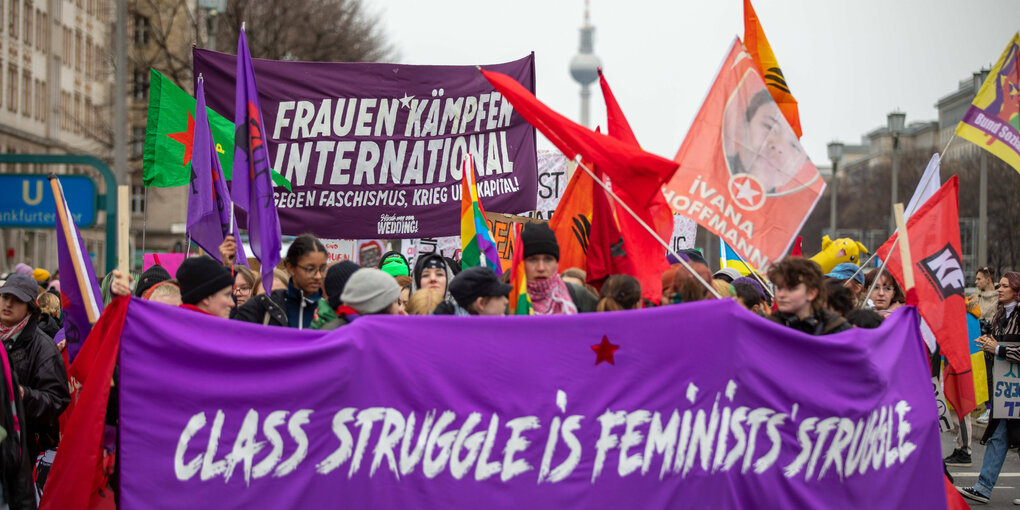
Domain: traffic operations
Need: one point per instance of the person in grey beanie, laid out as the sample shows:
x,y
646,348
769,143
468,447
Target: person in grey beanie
x,y
371,291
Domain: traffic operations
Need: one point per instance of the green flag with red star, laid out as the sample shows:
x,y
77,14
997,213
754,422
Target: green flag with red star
x,y
169,131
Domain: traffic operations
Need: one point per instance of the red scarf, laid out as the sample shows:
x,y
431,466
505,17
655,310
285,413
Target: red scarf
x,y
551,297
7,333
195,308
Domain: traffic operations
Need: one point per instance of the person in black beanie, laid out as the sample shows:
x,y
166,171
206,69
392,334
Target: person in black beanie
x,y
206,286
326,313
477,291
155,274
550,295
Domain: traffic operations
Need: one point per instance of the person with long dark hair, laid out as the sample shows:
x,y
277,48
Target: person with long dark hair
x,y
294,306
1004,342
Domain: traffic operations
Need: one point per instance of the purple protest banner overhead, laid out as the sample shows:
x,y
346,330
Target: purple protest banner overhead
x,y
373,150
540,412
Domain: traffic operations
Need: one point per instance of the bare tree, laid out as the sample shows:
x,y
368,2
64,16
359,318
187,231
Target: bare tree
x,y
312,30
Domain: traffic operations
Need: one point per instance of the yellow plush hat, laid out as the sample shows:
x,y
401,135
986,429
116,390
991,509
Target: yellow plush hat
x,y
41,275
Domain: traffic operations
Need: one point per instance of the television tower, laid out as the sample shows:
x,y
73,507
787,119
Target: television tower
x,y
584,66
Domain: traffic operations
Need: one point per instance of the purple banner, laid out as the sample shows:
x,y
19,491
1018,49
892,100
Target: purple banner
x,y
372,150
537,412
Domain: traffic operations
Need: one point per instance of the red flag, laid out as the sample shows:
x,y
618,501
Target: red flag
x,y
934,234
954,501
619,128
640,174
636,177
77,470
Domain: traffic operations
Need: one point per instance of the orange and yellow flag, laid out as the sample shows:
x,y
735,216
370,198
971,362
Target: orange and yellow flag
x,y
758,46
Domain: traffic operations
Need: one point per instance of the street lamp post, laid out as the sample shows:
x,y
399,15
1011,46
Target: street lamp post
x,y
895,124
835,153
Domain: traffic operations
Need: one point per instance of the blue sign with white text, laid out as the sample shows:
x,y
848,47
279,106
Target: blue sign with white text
x,y
26,200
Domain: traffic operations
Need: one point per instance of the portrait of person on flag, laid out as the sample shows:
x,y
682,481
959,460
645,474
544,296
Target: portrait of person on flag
x,y
759,143
743,174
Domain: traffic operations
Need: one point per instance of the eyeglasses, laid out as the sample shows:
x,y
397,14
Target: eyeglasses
x,y
311,270
243,289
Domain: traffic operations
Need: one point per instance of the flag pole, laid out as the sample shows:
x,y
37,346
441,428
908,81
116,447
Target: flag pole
x,y
71,242
123,225
908,266
881,269
641,222
751,269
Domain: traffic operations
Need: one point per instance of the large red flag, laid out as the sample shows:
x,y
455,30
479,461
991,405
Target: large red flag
x,y
934,235
77,472
640,174
636,177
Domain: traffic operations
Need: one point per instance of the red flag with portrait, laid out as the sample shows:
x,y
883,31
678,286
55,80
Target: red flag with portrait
x,y
743,174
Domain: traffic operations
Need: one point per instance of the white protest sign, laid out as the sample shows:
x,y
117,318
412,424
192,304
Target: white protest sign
x,y
1006,387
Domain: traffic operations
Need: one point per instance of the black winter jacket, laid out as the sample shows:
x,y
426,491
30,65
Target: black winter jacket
x,y
39,369
270,309
821,323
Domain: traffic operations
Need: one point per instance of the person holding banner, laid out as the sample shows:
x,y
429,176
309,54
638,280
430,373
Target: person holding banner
x,y
371,291
800,298
294,306
432,271
1001,434
35,362
206,286
244,284
476,291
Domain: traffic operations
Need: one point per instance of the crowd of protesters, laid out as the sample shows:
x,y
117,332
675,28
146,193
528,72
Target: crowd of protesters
x,y
309,293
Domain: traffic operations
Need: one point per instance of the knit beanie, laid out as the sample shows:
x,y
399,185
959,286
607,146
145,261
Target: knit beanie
x,y
155,274
395,265
475,282
23,268
41,275
539,239
336,279
201,277
370,291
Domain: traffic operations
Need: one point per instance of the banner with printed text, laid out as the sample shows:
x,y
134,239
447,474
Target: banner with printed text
x,y
372,150
394,412
744,175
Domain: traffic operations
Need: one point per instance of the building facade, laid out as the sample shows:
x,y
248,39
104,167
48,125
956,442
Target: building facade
x,y
55,98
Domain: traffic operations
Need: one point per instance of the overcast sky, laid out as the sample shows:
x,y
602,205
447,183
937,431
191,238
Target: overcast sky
x,y
847,63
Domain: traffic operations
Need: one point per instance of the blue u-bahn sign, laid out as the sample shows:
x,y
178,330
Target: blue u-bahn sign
x,y
26,200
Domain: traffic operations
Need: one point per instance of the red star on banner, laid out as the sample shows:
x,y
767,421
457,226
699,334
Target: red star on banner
x,y
604,351
187,138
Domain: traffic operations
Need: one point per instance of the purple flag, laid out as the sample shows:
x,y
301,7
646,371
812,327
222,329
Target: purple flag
x,y
80,299
252,188
209,218
583,411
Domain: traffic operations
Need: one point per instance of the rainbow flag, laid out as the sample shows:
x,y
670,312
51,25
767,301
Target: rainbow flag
x,y
520,301
476,243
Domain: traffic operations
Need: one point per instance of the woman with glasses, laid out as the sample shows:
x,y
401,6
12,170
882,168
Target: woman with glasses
x,y
887,296
1004,343
294,306
244,285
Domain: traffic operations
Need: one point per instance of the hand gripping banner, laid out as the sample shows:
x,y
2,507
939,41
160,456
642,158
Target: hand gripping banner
x,y
704,406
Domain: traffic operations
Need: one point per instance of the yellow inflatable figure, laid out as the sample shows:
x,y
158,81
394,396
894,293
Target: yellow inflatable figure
x,y
836,252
